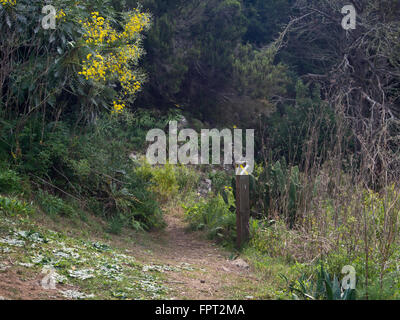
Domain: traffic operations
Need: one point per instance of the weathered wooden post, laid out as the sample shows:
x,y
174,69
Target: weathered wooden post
x,y
242,205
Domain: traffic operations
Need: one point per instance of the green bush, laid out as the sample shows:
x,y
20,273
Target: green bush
x,y
321,286
55,206
214,216
187,179
279,189
287,124
136,205
115,225
163,178
9,181
50,78
165,181
387,288
219,180
271,240
13,207
93,166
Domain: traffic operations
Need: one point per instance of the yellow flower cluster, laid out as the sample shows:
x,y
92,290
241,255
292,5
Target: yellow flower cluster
x,y
61,15
113,66
98,30
8,2
135,25
129,83
118,107
94,68
114,53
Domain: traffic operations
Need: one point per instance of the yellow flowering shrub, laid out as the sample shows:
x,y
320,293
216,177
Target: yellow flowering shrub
x,y
61,15
117,106
8,2
115,53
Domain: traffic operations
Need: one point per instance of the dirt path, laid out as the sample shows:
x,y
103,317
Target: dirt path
x,y
16,286
191,266
210,274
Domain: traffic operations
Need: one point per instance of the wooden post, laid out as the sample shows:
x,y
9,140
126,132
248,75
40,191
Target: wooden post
x,y
242,209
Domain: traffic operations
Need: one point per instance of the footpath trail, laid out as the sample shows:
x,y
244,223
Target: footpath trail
x,y
210,271
184,263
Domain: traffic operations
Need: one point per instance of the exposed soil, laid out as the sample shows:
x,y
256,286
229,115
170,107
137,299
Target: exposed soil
x,y
206,270
215,275
14,286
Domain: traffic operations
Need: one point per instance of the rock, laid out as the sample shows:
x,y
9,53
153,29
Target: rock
x,y
225,269
204,188
208,184
182,123
133,157
240,263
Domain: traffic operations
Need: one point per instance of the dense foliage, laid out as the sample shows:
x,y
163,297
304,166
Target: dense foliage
x,y
77,101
